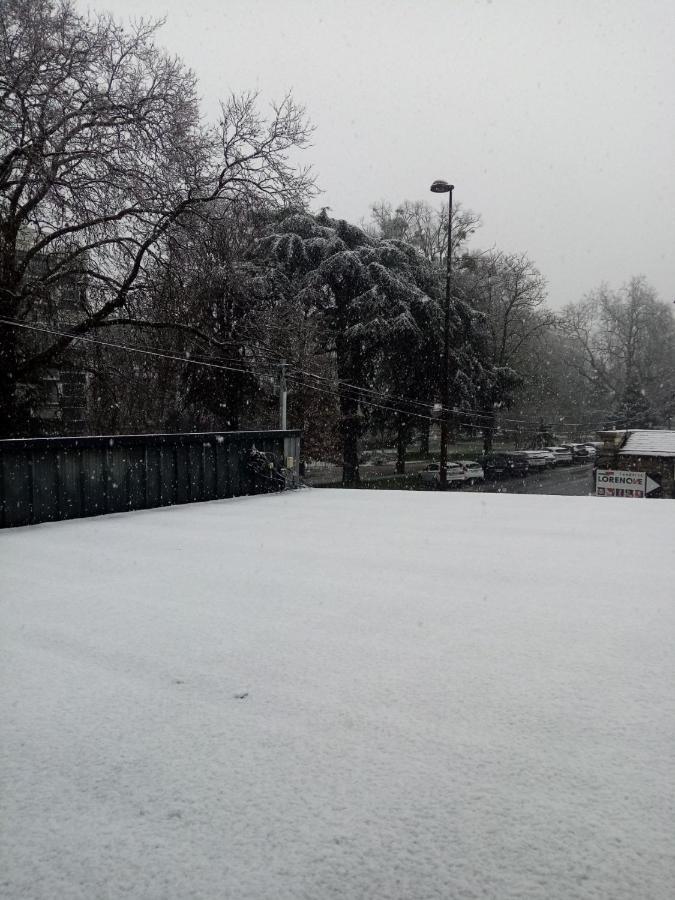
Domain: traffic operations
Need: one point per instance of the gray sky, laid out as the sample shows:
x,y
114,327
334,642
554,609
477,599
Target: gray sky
x,y
555,119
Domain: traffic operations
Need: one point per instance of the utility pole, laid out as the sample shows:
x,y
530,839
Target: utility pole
x,y
442,187
283,394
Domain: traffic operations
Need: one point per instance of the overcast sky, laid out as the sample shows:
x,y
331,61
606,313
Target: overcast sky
x,y
555,119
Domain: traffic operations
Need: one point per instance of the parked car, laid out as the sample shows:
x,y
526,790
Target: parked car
x,y
518,466
563,455
456,474
496,465
580,452
473,471
537,459
377,457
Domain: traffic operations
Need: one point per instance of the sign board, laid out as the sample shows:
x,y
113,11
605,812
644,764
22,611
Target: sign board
x,y
651,485
622,483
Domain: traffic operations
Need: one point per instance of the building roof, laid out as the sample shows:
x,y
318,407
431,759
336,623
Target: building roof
x,y
649,443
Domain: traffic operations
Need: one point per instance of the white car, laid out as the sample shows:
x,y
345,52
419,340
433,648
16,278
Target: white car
x,y
549,456
432,474
537,459
563,455
473,471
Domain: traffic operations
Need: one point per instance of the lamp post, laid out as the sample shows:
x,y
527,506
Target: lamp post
x,y
442,187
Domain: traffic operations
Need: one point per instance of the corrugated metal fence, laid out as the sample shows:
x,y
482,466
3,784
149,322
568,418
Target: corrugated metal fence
x,y
46,479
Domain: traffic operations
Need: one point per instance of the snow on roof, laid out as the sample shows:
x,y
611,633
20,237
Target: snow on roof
x,y
648,442
340,694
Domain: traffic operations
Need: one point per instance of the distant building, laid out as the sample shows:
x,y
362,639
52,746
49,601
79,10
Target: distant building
x,y
59,401
641,450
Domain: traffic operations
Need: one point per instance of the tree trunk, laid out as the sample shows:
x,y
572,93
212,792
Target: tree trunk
x,y
14,415
349,428
349,372
488,432
13,418
424,439
402,435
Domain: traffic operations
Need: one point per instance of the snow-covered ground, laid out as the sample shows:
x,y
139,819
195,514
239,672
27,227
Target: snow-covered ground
x,y
341,694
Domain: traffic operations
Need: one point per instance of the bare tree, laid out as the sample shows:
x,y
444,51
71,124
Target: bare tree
x,y
102,153
510,292
423,226
626,350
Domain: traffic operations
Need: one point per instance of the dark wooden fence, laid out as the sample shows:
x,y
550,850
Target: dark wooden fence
x,y
46,479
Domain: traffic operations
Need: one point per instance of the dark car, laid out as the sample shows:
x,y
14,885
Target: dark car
x,y
580,452
497,465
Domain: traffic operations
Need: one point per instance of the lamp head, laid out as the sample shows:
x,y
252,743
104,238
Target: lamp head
x,y
441,187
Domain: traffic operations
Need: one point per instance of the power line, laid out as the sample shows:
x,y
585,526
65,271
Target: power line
x,y
438,406
371,403
532,423
352,391
129,348
387,395
457,411
191,361
263,349
394,397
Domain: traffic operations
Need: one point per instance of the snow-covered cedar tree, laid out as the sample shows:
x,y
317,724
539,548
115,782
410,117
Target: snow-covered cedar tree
x,y
363,290
380,310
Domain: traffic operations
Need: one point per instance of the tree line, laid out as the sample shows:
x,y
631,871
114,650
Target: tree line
x,y
178,263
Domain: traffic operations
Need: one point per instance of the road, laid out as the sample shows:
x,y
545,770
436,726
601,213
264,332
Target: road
x,y
333,474
570,481
573,481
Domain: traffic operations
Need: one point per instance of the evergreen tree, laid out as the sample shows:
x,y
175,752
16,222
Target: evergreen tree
x,y
634,409
368,294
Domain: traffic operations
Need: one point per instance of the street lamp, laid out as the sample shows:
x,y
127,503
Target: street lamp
x,y
442,187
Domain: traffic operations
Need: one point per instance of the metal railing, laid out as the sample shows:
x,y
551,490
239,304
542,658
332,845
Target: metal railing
x,y
48,479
